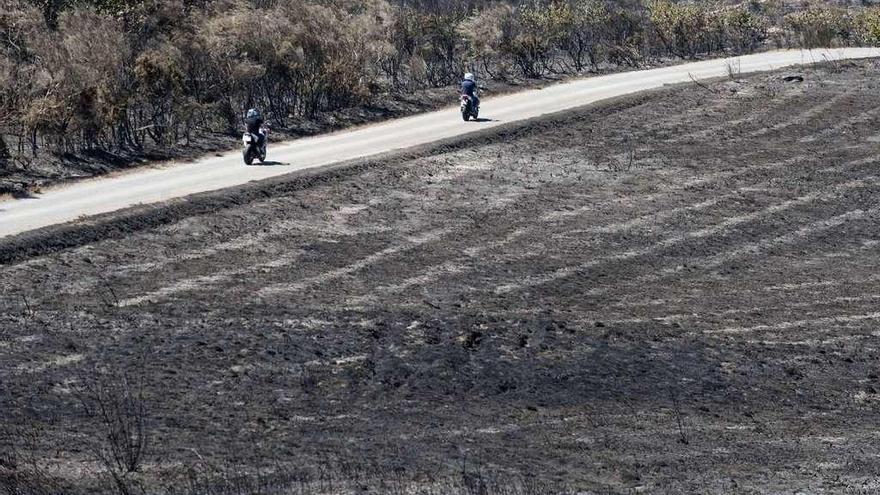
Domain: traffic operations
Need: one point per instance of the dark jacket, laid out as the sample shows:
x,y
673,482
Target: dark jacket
x,y
254,124
469,88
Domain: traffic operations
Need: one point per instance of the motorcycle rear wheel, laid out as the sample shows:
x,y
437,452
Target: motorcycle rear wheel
x,y
248,155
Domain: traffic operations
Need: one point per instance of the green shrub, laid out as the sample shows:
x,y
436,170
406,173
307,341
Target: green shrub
x,y
744,30
532,36
683,29
819,27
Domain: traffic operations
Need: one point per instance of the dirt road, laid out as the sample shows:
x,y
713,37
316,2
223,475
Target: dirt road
x,y
92,197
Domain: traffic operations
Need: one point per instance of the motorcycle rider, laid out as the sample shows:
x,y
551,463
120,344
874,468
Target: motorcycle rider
x,y
254,123
469,87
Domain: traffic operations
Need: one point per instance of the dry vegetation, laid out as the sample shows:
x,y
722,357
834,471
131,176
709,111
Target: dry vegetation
x,y
112,78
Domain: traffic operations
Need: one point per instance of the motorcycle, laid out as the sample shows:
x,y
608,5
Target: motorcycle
x,y
468,108
252,147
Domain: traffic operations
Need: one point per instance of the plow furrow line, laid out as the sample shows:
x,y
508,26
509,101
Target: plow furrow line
x,y
858,119
788,325
431,274
801,233
196,283
200,282
787,287
738,311
732,124
835,341
675,189
758,247
820,283
654,218
437,271
249,240
801,117
701,233
372,259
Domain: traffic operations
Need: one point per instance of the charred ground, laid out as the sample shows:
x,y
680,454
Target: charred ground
x,y
672,293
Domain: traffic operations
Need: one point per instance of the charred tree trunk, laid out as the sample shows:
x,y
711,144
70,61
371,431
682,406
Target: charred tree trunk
x,y
5,155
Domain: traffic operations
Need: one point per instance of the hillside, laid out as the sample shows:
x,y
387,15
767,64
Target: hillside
x,y
671,293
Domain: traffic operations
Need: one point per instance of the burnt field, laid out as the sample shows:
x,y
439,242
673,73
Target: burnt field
x,y
671,293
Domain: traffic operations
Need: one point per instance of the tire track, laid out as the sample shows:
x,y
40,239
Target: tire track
x,y
759,310
788,325
453,171
749,117
805,286
452,267
822,283
412,243
715,261
437,271
803,116
862,118
433,273
196,283
698,234
757,247
200,282
712,178
246,241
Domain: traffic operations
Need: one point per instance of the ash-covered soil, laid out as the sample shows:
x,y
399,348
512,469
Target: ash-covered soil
x,y
672,293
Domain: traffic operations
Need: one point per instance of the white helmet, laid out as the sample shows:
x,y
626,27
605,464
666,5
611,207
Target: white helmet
x,y
468,77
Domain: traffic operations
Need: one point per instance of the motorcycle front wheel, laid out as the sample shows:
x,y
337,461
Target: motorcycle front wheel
x,y
248,155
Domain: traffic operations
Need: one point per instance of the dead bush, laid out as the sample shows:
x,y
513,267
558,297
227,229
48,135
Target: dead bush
x,y
484,34
115,403
22,471
585,27
132,76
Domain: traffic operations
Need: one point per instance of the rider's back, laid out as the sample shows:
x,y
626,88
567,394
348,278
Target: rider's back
x,y
468,87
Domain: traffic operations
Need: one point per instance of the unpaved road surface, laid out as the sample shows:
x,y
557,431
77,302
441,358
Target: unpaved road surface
x,y
673,293
178,180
